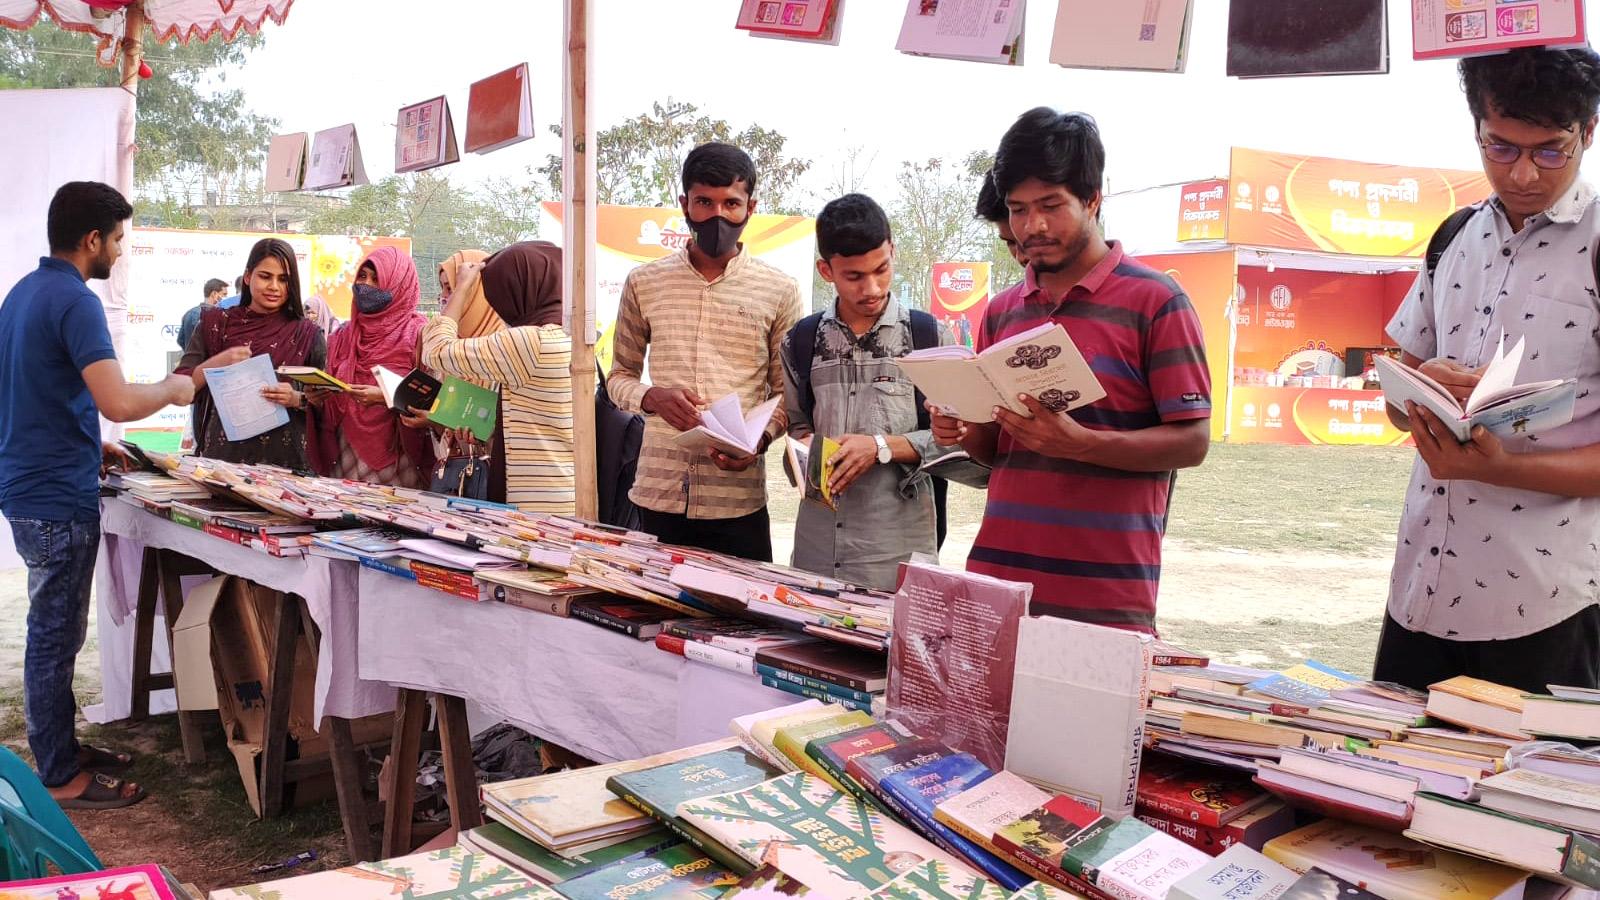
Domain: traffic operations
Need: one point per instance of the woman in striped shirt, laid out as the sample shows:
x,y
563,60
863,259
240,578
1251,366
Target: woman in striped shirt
x,y
530,362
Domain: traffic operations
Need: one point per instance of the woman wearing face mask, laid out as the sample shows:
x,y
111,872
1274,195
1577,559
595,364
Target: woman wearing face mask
x,y
269,319
358,436
530,361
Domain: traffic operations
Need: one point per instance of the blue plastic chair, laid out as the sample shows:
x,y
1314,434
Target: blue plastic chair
x,y
34,832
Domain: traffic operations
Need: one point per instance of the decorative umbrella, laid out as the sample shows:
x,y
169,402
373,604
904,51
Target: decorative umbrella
x,y
121,23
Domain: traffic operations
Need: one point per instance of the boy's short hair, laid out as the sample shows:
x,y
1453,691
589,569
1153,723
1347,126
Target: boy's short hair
x,y
851,226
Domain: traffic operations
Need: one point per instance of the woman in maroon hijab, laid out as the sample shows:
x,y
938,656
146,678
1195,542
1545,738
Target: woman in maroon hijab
x,y
531,466
269,319
358,436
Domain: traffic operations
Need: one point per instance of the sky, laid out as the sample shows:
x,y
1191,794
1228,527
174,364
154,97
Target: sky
x,y
335,61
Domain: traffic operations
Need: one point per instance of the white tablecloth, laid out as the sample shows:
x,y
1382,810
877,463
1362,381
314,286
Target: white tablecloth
x,y
328,586
601,694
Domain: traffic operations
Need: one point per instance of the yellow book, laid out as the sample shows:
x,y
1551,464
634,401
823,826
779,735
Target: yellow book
x,y
791,740
980,811
311,376
1393,866
819,471
764,732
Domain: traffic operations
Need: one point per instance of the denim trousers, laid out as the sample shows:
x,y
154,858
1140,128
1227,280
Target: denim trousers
x,y
60,558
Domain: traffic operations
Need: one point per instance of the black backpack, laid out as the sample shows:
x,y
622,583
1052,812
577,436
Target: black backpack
x,y
924,334
1446,234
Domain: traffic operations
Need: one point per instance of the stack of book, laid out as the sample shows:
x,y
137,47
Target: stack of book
x,y
725,642
1208,807
264,532
830,672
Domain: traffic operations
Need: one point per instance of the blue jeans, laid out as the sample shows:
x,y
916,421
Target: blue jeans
x,y
60,558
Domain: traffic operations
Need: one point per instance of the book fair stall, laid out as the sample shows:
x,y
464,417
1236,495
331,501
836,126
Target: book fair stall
x,y
1297,265
741,728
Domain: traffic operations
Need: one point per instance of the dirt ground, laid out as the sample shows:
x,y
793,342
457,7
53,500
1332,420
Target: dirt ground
x,y
1274,555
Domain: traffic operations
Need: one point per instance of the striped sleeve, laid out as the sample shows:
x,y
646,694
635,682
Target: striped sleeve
x,y
515,357
629,337
1180,382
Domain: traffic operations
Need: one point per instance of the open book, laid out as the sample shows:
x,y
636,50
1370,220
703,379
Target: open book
x,y
311,376
1042,362
725,427
402,393
236,396
1497,403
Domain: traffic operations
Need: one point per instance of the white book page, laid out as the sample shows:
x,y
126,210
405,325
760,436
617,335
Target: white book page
x,y
753,425
725,419
1499,378
388,382
954,384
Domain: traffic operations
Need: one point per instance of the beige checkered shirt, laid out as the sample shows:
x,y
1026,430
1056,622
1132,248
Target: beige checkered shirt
x,y
714,338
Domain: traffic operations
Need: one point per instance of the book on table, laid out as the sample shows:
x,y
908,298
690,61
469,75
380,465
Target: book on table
x,y
1547,798
981,810
1074,846
1042,362
938,880
514,849
1514,841
794,741
916,793
680,872
660,790
1238,873
744,728
236,396
1567,712
450,872
1496,403
1393,866
1478,705
425,136
141,882
723,426
1253,829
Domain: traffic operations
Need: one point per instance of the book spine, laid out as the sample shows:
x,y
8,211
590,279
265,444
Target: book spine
x,y
188,521
805,671
1045,872
227,534
1204,838
733,861
453,590
719,657
946,839
824,696
828,764
1163,659
388,568
836,690
1582,860
670,642
552,606
595,617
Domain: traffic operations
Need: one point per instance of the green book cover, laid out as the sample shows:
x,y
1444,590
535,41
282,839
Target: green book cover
x,y
836,845
793,740
512,848
677,872
658,791
463,404
187,520
936,880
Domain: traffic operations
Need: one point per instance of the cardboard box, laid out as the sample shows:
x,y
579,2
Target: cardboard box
x,y
225,634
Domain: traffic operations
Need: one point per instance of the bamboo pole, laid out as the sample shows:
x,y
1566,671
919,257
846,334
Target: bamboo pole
x,y
132,47
578,162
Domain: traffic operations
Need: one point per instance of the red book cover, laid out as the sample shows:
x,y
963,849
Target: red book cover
x,y
1165,654
228,534
953,658
497,110
1060,824
1203,795
670,643
1252,829
1333,809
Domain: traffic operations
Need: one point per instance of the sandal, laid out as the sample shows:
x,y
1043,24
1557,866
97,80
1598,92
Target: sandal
x,y
103,792
94,759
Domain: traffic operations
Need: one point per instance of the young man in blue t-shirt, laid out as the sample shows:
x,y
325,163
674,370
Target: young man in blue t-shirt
x,y
58,374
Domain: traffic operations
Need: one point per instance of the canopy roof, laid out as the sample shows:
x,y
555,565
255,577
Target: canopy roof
x,y
183,20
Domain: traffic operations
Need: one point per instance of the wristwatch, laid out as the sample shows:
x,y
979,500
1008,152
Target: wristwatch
x,y
885,455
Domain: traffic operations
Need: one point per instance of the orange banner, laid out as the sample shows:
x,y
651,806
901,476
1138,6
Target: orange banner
x,y
1208,279
1294,322
960,296
1341,206
1286,415
1203,211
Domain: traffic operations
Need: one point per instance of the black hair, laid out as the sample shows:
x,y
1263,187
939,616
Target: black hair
x,y
284,254
80,208
1056,148
1551,88
716,164
991,206
851,226
213,285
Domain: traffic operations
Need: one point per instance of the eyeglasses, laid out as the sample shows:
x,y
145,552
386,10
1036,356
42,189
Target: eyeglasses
x,y
1543,157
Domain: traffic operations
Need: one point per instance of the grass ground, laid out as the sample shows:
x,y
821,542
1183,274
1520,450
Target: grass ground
x,y
1274,554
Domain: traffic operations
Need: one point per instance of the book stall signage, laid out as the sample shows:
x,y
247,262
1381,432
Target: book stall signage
x,y
1340,206
959,297
1203,211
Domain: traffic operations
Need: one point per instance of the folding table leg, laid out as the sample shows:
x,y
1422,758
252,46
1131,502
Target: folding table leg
x,y
347,783
144,631
460,774
405,751
194,751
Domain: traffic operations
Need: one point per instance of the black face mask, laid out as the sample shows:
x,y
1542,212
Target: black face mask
x,y
716,235
370,299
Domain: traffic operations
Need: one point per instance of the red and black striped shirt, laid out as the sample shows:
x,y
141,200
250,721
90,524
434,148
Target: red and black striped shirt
x,y
1088,537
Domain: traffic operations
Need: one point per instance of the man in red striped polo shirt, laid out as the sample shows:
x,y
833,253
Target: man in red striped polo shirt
x,y
1077,501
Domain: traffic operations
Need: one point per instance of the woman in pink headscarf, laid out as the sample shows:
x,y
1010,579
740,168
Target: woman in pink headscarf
x,y
358,436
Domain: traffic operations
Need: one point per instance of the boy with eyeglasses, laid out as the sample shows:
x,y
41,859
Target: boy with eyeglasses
x,y
1497,564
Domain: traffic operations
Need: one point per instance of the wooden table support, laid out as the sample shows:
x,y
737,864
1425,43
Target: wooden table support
x,y
460,773
160,581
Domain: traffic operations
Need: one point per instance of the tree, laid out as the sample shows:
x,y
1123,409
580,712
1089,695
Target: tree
x,y
424,206
508,211
638,161
183,127
933,222
1003,271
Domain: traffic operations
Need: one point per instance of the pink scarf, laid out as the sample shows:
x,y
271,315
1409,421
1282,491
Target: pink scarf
x,y
386,338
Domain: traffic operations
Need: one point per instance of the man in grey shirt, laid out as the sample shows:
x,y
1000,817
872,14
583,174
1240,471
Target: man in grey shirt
x,y
883,507
1497,563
